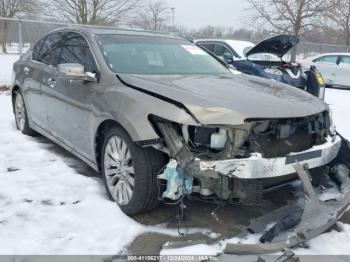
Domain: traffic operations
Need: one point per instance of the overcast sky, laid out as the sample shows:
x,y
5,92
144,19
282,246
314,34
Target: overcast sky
x,y
199,13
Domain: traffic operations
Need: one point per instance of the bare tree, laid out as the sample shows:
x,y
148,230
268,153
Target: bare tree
x,y
288,16
155,16
10,9
339,19
93,12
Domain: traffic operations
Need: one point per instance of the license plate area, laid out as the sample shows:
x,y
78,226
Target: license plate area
x,y
303,156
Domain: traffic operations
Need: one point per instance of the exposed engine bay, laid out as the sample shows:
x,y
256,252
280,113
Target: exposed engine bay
x,y
305,153
288,73
219,160
292,74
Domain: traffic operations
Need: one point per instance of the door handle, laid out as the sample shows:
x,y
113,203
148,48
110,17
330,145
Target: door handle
x,y
51,82
26,70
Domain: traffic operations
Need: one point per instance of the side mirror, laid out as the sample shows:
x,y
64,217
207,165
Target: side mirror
x,y
228,58
76,72
339,60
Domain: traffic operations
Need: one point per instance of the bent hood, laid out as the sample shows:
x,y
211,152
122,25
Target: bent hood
x,y
278,45
229,99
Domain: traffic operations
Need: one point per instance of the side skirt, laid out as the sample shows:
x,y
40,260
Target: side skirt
x,y
41,131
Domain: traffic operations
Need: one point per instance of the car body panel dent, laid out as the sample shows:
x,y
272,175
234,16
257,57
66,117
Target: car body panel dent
x,y
231,99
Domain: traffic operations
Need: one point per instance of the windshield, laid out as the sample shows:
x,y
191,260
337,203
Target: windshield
x,y
156,55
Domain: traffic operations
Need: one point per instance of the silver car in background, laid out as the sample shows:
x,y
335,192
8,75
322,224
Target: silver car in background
x,y
335,68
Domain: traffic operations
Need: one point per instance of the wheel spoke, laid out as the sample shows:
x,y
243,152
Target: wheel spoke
x,y
114,180
112,171
131,181
129,169
112,161
123,150
128,157
128,191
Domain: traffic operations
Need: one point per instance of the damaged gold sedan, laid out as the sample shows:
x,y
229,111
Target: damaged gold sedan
x,y
161,120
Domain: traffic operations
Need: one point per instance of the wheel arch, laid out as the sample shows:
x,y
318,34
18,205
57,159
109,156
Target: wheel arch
x,y
13,92
99,137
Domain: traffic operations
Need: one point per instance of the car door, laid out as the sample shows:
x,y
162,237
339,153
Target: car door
x,y
49,58
343,72
31,71
70,109
327,65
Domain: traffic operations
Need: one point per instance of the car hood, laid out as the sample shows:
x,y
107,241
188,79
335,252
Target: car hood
x,y
228,99
278,45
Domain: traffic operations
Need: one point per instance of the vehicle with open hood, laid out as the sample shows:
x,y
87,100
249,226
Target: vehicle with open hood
x,y
161,119
266,60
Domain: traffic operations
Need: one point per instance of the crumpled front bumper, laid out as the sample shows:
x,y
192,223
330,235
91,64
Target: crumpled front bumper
x,y
314,216
257,167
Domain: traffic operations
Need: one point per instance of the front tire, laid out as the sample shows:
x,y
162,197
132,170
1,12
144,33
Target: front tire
x,y
21,115
130,172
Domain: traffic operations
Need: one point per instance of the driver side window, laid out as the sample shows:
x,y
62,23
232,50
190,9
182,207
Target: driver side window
x,y
51,49
77,50
220,50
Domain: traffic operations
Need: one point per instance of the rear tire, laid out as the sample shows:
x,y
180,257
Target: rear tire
x,y
130,172
21,115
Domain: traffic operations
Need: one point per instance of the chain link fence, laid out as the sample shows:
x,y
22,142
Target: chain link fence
x,y
17,35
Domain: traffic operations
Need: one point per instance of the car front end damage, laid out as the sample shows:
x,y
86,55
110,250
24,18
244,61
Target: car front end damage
x,y
242,163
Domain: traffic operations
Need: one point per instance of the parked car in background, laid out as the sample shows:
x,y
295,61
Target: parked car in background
x,y
335,68
265,60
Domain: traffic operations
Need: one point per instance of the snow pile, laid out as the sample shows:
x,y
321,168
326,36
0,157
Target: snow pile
x,y
6,62
332,243
339,101
46,207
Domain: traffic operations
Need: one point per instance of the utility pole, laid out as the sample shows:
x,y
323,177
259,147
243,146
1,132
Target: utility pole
x,y
173,13
20,42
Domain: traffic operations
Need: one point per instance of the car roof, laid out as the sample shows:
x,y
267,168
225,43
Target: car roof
x,y
116,31
329,54
238,45
223,40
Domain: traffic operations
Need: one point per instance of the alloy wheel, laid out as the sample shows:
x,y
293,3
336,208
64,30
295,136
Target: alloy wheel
x,y
119,170
20,112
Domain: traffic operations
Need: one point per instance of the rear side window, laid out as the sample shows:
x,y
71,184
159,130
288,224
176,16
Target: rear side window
x,y
209,47
332,59
51,49
36,49
318,60
345,60
77,50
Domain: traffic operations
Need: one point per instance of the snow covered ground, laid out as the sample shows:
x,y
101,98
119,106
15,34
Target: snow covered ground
x,y
6,62
48,207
